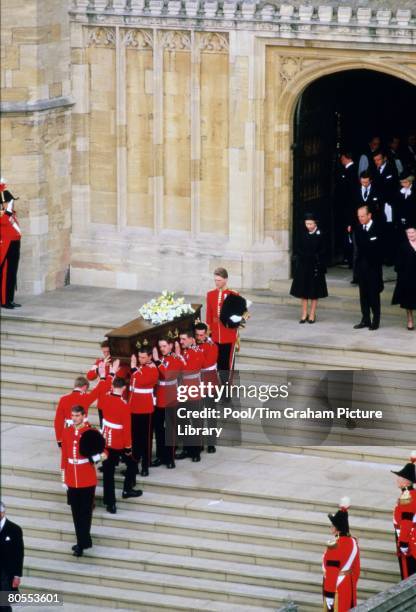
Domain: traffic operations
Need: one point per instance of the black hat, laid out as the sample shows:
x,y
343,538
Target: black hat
x,y
310,216
232,310
408,472
340,518
91,443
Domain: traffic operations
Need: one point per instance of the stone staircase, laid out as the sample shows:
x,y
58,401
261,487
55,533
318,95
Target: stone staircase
x,y
183,546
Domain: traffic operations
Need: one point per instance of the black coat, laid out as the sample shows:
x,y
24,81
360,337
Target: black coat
x,y
405,290
387,182
310,267
369,263
406,209
346,193
11,549
373,202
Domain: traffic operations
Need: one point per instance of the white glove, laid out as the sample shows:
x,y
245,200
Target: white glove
x,y
65,486
96,458
329,602
235,318
404,549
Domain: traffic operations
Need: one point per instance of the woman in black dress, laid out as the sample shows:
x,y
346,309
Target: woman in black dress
x,y
405,290
309,281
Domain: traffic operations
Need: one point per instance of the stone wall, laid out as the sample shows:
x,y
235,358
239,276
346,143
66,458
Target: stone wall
x,y
36,135
176,155
184,115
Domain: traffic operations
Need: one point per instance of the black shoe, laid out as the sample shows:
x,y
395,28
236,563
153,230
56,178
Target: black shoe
x,y
374,326
132,493
78,551
353,282
8,306
144,472
156,462
304,320
111,508
211,449
181,455
15,305
410,327
171,465
361,325
311,321
196,458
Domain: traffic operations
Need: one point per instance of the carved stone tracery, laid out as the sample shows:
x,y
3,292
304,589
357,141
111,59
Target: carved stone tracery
x,y
213,42
101,37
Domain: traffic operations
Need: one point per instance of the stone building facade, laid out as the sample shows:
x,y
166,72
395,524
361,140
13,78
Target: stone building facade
x,y
151,140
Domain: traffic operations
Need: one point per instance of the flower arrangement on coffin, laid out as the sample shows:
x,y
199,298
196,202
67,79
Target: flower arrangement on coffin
x,y
165,308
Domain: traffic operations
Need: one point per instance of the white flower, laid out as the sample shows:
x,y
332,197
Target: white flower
x,y
165,308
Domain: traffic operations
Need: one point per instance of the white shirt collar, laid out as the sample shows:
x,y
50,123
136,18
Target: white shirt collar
x,y
406,191
3,520
349,164
382,167
368,225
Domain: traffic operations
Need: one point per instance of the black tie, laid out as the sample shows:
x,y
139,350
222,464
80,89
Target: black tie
x,y
365,194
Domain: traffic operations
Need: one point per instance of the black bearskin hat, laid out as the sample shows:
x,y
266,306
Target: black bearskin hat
x,y
232,310
91,443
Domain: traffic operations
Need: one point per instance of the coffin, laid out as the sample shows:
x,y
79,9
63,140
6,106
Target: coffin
x,y
131,336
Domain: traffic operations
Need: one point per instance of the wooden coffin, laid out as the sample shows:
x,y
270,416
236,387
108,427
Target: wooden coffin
x,y
127,339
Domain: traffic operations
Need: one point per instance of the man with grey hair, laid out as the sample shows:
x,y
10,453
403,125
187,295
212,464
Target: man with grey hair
x,y
11,554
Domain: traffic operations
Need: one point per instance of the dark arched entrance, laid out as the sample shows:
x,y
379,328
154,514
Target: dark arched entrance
x,y
342,110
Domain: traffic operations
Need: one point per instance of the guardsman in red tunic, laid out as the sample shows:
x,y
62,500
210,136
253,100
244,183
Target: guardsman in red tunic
x,y
404,518
193,361
170,367
77,397
79,478
106,360
10,235
341,564
209,374
116,429
224,337
141,401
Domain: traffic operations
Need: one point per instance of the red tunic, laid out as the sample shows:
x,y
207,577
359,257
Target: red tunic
x,y
142,383
341,567
209,373
219,333
63,415
77,470
170,368
116,427
193,361
122,372
404,519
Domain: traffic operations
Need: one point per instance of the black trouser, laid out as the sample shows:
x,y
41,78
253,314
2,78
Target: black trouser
x,y
6,581
9,269
225,362
164,426
141,436
210,404
369,301
109,467
192,443
81,501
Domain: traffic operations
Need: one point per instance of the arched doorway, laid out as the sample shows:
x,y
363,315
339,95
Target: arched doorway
x,y
342,110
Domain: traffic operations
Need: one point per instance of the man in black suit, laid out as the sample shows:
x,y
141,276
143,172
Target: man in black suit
x,y
387,182
344,197
11,554
369,268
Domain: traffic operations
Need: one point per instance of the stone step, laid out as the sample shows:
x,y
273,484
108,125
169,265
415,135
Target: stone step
x,y
71,337
95,330
34,365
309,560
193,545
340,287
220,590
101,596
23,348
328,358
214,509
181,488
